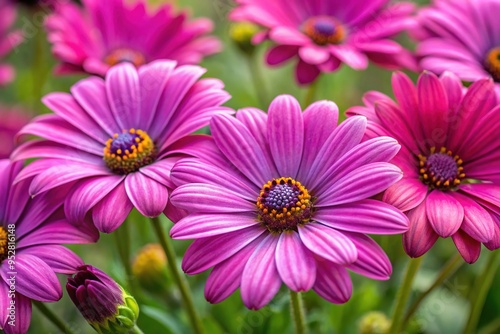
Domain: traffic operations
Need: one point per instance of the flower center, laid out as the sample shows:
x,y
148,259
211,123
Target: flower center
x,y
125,55
283,204
493,63
441,169
128,151
3,243
324,30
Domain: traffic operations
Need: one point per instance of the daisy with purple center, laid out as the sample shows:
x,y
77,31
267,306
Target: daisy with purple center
x,y
118,138
286,198
31,234
462,37
324,34
104,33
8,40
450,158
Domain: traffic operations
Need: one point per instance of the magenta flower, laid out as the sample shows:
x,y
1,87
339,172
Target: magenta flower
x,y
286,198
106,306
450,158
118,139
8,40
324,34
462,37
105,33
31,231
13,119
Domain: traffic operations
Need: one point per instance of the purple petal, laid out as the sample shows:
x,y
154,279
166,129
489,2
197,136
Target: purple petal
x,y
445,213
328,243
160,171
123,91
112,210
469,248
364,182
260,280
286,134
86,194
241,148
420,236
34,278
59,232
295,263
306,73
372,261
332,282
59,258
23,316
320,120
477,223
208,252
148,196
280,54
225,278
199,197
406,194
365,216
198,225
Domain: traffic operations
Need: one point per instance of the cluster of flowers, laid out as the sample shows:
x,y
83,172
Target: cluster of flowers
x,y
282,196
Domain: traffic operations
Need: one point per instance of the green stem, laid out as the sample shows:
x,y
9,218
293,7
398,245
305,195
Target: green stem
x,y
38,69
136,330
403,295
257,79
311,93
122,237
54,318
179,279
482,285
492,328
298,313
449,269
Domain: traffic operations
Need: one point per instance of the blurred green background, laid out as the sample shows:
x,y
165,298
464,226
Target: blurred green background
x,y
444,311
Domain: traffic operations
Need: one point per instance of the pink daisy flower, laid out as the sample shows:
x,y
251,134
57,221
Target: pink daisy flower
x,y
287,199
118,138
31,234
461,36
13,119
8,40
450,158
323,34
104,33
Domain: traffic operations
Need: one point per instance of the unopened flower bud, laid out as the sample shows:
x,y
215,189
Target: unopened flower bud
x,y
150,267
242,33
106,306
374,323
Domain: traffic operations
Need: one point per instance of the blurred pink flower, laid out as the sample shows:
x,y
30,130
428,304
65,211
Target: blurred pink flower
x,y
287,199
104,33
462,37
8,40
35,228
12,120
119,138
324,34
450,158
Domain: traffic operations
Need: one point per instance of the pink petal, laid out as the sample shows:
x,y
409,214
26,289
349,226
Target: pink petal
x,y
477,223
420,236
328,243
280,54
112,210
148,196
59,258
445,213
332,282
469,248
260,280
23,316
406,194
313,54
372,261
295,263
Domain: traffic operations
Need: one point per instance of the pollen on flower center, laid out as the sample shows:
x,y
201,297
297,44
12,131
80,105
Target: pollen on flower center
x,y
128,151
4,238
441,169
124,55
493,63
324,30
283,204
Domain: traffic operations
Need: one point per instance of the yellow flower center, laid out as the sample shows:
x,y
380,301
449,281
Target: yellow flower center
x,y
493,63
125,55
4,241
324,30
128,151
283,204
441,169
